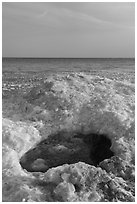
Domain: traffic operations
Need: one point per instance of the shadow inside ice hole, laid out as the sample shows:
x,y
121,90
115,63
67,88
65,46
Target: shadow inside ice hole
x,y
58,149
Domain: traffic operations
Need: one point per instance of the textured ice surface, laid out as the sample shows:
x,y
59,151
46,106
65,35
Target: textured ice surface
x,y
58,124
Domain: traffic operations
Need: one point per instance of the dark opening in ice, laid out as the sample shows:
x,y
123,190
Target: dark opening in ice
x,y
59,149
99,147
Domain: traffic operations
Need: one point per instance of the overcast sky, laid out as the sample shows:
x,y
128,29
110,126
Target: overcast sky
x,y
68,29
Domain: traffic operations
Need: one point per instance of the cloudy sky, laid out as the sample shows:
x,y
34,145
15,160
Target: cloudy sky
x,y
68,29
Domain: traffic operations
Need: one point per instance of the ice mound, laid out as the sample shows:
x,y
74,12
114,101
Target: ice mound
x,y
70,138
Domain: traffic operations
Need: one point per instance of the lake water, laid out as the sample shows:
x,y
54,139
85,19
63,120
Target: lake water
x,y
67,64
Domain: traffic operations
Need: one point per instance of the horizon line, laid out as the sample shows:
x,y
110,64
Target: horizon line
x,y
72,57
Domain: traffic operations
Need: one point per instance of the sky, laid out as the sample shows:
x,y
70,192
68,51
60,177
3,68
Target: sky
x,y
68,29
